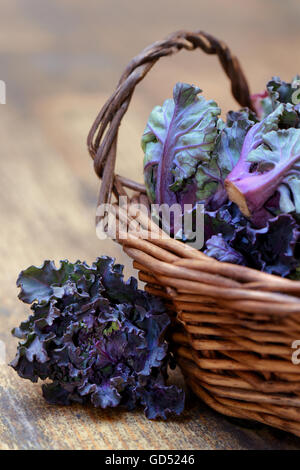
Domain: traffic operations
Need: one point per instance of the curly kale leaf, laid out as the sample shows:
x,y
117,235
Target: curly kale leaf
x,y
280,92
217,247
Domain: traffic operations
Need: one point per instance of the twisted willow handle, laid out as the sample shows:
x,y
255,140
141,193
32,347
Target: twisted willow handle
x,y
102,138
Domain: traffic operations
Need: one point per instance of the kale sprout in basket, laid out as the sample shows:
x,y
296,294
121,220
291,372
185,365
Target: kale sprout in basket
x,y
98,339
246,171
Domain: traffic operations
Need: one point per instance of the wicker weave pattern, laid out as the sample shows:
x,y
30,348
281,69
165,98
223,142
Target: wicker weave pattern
x,y
232,326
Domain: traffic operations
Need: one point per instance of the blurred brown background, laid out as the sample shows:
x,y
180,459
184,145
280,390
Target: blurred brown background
x,y
60,60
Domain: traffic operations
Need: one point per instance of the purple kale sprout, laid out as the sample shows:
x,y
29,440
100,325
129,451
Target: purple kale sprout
x,y
99,339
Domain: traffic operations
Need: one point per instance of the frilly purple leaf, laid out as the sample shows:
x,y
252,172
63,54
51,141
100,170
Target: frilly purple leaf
x,y
218,248
272,249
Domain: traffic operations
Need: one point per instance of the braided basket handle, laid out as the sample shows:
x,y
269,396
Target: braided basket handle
x,y
102,138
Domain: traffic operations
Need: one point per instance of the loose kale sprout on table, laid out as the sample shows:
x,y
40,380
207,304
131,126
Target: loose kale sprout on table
x,y
99,339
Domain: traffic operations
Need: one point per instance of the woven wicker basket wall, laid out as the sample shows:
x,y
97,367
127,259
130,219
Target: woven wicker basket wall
x,y
232,326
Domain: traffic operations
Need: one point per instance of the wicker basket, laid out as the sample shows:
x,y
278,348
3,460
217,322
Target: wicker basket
x,y
233,326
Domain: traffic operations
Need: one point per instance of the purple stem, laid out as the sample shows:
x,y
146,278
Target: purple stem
x,y
258,188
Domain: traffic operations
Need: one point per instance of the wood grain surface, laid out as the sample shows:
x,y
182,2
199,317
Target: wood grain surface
x,y
60,60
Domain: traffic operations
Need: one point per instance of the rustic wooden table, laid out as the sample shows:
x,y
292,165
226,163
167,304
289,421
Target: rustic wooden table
x,y
60,60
